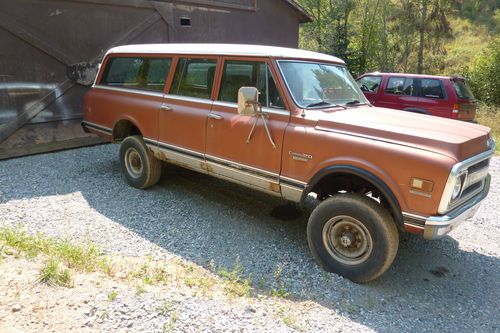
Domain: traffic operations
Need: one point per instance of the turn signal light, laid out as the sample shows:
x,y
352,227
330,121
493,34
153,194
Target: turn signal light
x,y
421,185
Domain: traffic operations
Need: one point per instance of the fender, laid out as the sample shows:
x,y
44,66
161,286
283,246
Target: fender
x,y
368,176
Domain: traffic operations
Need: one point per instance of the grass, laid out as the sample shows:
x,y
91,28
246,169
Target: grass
x,y
64,256
236,285
53,275
490,116
112,295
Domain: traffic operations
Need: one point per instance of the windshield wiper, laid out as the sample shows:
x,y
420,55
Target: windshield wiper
x,y
354,102
317,104
324,103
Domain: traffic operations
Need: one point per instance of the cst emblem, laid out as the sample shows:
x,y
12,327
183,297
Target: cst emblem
x,y
300,156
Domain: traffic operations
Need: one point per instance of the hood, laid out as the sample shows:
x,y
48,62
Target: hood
x,y
453,138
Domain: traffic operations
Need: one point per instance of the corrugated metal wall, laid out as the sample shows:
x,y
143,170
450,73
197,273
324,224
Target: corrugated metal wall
x,y
49,50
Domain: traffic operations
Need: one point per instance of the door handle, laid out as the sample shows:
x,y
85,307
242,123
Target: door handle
x,y
215,116
165,107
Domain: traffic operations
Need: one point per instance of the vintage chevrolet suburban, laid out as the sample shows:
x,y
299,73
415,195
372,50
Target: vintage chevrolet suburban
x,y
294,124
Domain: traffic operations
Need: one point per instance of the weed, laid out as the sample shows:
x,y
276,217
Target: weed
x,y
112,295
165,308
52,275
236,284
139,289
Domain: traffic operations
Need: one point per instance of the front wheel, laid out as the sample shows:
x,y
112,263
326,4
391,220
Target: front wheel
x,y
140,167
353,236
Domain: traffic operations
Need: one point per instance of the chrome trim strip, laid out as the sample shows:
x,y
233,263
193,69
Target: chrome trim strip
x,y
243,167
97,127
189,99
279,112
150,141
129,90
456,170
293,182
181,150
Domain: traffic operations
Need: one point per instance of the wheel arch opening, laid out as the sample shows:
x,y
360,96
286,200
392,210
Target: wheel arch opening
x,y
348,179
124,128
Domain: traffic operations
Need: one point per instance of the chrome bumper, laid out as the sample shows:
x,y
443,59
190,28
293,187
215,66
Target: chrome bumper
x,y
436,227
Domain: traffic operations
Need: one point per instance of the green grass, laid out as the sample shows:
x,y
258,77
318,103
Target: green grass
x,y
112,295
236,284
64,256
490,116
82,257
53,275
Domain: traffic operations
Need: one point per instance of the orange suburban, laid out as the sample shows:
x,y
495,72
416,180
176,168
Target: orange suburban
x,y
294,124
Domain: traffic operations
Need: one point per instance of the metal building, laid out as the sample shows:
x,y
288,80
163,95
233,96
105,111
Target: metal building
x,y
49,51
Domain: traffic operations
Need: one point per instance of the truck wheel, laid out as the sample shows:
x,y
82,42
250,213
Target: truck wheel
x,y
140,167
353,236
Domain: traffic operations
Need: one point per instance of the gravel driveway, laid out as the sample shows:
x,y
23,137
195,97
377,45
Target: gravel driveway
x,y
451,285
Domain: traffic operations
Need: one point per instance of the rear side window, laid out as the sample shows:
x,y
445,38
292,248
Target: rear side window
x,y
432,88
462,90
194,77
400,86
136,73
239,74
369,83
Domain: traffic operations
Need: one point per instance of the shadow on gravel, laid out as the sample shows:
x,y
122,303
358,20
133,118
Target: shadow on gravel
x,y
432,286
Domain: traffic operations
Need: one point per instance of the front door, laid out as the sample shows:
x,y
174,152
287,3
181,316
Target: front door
x,y
231,152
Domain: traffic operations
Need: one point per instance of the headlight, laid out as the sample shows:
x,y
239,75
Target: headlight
x,y
456,189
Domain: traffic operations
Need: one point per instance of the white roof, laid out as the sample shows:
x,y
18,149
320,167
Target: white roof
x,y
226,49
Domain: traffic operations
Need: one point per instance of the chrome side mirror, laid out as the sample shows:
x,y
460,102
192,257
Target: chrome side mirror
x,y
248,100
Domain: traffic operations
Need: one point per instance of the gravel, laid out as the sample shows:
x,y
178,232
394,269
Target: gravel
x,y
439,286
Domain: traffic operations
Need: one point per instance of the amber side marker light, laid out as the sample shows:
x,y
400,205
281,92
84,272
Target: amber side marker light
x,y
421,185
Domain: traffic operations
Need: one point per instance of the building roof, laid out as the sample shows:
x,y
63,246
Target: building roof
x,y
304,15
226,49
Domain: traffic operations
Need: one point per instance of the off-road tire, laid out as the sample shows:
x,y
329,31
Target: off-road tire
x,y
338,222
140,167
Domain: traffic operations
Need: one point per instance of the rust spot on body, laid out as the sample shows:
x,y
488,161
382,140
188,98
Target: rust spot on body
x,y
275,187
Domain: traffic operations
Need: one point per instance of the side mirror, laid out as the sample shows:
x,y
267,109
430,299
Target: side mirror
x,y
248,100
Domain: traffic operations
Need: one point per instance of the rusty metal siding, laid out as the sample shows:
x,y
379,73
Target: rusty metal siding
x,y
49,50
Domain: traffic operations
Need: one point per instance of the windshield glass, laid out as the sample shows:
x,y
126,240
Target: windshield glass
x,y
463,92
319,85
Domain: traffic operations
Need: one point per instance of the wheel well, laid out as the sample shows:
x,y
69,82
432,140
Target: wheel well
x,y
124,128
366,184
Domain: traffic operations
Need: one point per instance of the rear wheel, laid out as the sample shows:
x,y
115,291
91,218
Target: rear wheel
x,y
140,167
352,235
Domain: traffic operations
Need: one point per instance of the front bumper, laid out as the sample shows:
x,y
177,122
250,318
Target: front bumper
x,y
435,227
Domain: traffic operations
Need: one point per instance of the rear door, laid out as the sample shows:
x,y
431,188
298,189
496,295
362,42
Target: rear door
x,y
399,93
233,151
183,115
433,97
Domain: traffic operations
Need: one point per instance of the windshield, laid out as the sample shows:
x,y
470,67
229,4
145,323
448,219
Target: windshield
x,y
319,85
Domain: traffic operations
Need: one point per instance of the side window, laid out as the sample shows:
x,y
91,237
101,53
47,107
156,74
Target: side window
x,y
156,73
369,83
400,86
136,73
239,74
194,77
432,88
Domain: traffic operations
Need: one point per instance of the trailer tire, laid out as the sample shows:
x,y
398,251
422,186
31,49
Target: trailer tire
x,y
353,236
140,167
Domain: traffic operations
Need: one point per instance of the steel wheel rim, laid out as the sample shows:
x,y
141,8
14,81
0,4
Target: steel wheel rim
x,y
347,240
133,163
